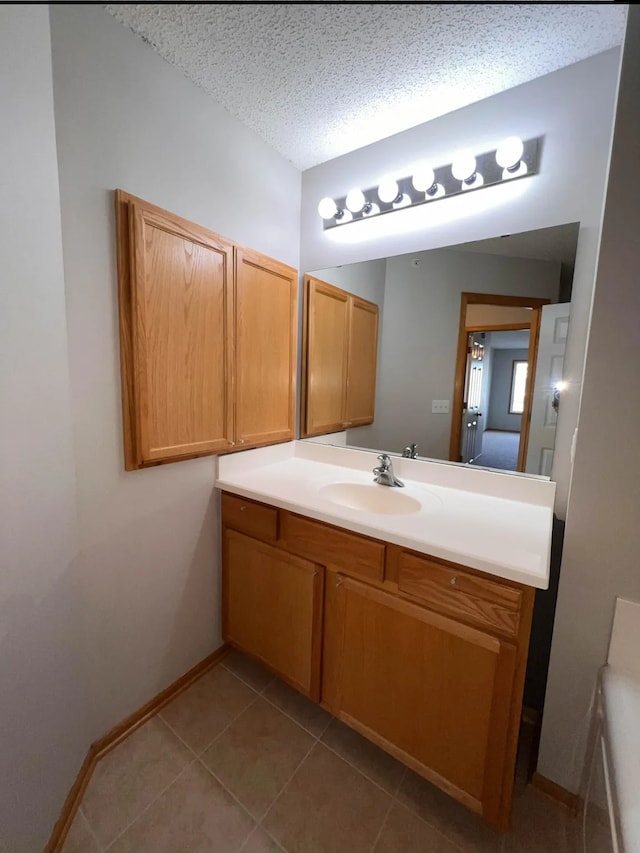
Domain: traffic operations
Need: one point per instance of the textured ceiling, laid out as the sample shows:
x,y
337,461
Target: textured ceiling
x,y
316,80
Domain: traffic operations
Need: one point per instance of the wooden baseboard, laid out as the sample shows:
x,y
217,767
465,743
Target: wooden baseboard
x,y
115,736
555,792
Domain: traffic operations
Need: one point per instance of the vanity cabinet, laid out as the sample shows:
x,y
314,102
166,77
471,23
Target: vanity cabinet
x,y
207,339
340,354
424,657
429,689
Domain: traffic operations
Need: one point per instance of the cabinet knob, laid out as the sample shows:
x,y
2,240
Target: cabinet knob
x,y
241,441
231,442
453,581
242,508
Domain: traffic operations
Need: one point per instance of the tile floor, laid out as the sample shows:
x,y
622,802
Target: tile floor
x,y
241,762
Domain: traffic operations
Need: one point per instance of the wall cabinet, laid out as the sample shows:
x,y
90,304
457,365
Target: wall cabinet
x,y
425,658
207,339
340,354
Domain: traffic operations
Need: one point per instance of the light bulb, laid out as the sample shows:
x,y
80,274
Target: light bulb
x,y
509,152
463,166
355,200
424,179
388,190
327,208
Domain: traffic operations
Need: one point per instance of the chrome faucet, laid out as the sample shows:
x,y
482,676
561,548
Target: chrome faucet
x,y
410,451
383,473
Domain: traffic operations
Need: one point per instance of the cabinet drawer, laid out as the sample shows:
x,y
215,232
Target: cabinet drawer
x,y
349,552
249,517
460,594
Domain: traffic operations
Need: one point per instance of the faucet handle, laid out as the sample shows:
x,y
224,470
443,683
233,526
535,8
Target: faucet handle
x,y
385,460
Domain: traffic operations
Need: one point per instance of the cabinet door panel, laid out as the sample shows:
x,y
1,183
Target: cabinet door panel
x,y
182,316
327,345
424,687
272,609
265,349
363,353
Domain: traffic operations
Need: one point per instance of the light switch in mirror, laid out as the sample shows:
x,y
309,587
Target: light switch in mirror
x,y
452,324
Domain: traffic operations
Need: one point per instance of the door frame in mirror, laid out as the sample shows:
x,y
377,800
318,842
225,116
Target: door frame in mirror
x,y
466,299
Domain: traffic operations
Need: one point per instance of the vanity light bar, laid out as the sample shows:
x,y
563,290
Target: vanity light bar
x,y
512,159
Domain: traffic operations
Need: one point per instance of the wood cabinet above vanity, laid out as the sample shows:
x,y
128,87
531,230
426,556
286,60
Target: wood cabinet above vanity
x,y
340,351
207,339
424,657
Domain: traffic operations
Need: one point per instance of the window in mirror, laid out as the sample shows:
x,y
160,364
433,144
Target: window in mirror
x,y
518,387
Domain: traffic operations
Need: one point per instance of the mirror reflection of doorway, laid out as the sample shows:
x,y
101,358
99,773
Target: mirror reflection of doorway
x,y
497,350
494,396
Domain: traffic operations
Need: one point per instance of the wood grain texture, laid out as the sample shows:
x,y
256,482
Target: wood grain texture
x,y
361,362
422,682
125,318
515,708
266,300
327,316
182,307
272,609
115,736
458,593
532,359
250,517
333,546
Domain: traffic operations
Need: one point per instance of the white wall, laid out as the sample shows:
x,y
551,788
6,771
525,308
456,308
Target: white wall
x,y
44,732
149,589
600,558
573,110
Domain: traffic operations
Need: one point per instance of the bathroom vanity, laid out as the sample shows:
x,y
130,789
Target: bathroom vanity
x,y
405,612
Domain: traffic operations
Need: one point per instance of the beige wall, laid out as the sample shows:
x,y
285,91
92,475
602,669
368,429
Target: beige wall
x,y
600,559
44,727
148,590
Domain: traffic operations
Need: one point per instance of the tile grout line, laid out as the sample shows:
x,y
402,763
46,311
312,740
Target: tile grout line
x,y
220,733
383,824
232,795
297,722
195,757
286,785
245,681
147,807
91,832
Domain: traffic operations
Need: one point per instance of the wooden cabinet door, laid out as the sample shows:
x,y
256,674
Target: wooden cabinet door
x,y
327,353
265,349
176,318
361,362
272,609
432,691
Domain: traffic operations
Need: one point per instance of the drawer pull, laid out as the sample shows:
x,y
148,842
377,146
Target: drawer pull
x,y
453,581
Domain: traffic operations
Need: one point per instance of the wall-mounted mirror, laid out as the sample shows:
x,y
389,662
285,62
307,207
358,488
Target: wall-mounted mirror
x,y
470,345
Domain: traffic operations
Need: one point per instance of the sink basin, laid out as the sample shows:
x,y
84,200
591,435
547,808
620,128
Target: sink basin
x,y
387,500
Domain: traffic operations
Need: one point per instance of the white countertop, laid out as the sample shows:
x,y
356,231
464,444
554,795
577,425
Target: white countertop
x,y
497,523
